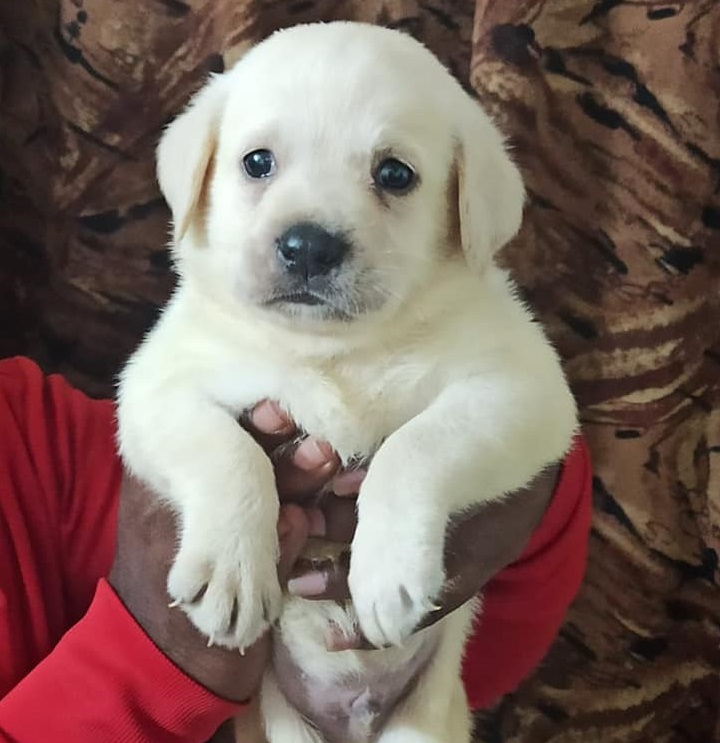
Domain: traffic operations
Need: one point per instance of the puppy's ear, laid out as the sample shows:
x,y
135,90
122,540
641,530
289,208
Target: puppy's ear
x,y
490,190
186,150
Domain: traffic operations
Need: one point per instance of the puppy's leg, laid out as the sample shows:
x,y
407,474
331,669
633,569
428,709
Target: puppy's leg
x,y
221,484
478,440
283,723
437,710
411,725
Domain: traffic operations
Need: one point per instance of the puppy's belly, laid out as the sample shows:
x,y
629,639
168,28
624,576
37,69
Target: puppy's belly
x,y
347,695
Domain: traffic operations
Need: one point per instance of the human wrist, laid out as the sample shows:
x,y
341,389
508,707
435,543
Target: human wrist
x,y
145,550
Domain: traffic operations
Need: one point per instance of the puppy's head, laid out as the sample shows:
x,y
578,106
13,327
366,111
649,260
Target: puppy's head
x,y
312,180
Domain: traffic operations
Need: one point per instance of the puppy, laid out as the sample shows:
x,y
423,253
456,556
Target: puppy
x,y
337,199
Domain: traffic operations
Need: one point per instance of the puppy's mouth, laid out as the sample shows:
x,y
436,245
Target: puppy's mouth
x,y
308,304
300,298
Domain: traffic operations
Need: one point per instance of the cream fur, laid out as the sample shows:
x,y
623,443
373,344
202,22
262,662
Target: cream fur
x,y
436,367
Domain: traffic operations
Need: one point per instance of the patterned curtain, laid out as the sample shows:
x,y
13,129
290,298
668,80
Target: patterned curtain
x,y
613,109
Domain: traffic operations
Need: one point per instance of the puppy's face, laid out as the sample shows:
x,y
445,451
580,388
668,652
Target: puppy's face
x,y
321,180
327,201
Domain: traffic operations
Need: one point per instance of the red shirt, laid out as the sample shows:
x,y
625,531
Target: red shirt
x,y
74,665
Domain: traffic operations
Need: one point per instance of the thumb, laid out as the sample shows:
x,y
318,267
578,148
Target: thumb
x,y
293,530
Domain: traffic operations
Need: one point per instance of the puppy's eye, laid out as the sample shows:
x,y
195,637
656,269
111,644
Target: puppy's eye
x,y
394,175
259,163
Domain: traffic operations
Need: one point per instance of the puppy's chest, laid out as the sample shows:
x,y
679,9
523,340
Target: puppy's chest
x,y
354,410
354,407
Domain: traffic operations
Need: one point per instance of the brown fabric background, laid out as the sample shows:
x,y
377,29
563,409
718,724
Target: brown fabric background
x,y
613,108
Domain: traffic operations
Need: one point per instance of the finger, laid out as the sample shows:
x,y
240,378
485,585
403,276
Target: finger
x,y
294,527
302,471
326,581
348,482
340,518
269,425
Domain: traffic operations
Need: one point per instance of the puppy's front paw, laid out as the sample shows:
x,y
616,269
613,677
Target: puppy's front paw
x,y
394,582
230,592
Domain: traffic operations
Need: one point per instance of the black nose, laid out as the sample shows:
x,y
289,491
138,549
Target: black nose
x,y
309,250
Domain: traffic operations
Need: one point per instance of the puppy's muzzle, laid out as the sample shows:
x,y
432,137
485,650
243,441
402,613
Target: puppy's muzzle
x,y
307,251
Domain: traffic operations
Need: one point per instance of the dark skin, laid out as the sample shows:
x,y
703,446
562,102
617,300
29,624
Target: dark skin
x,y
479,545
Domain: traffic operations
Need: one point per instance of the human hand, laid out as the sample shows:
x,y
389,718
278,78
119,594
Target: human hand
x,y
479,545
147,541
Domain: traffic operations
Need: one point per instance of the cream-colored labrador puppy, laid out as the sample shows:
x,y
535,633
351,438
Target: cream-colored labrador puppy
x,y
337,199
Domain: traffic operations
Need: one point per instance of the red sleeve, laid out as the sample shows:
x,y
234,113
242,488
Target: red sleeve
x,y
524,606
67,672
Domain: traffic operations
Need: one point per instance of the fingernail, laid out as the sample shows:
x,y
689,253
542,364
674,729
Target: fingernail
x,y
318,527
348,483
309,584
312,454
269,417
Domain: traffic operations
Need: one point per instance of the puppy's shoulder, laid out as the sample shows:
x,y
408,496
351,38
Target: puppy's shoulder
x,y
196,343
481,305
